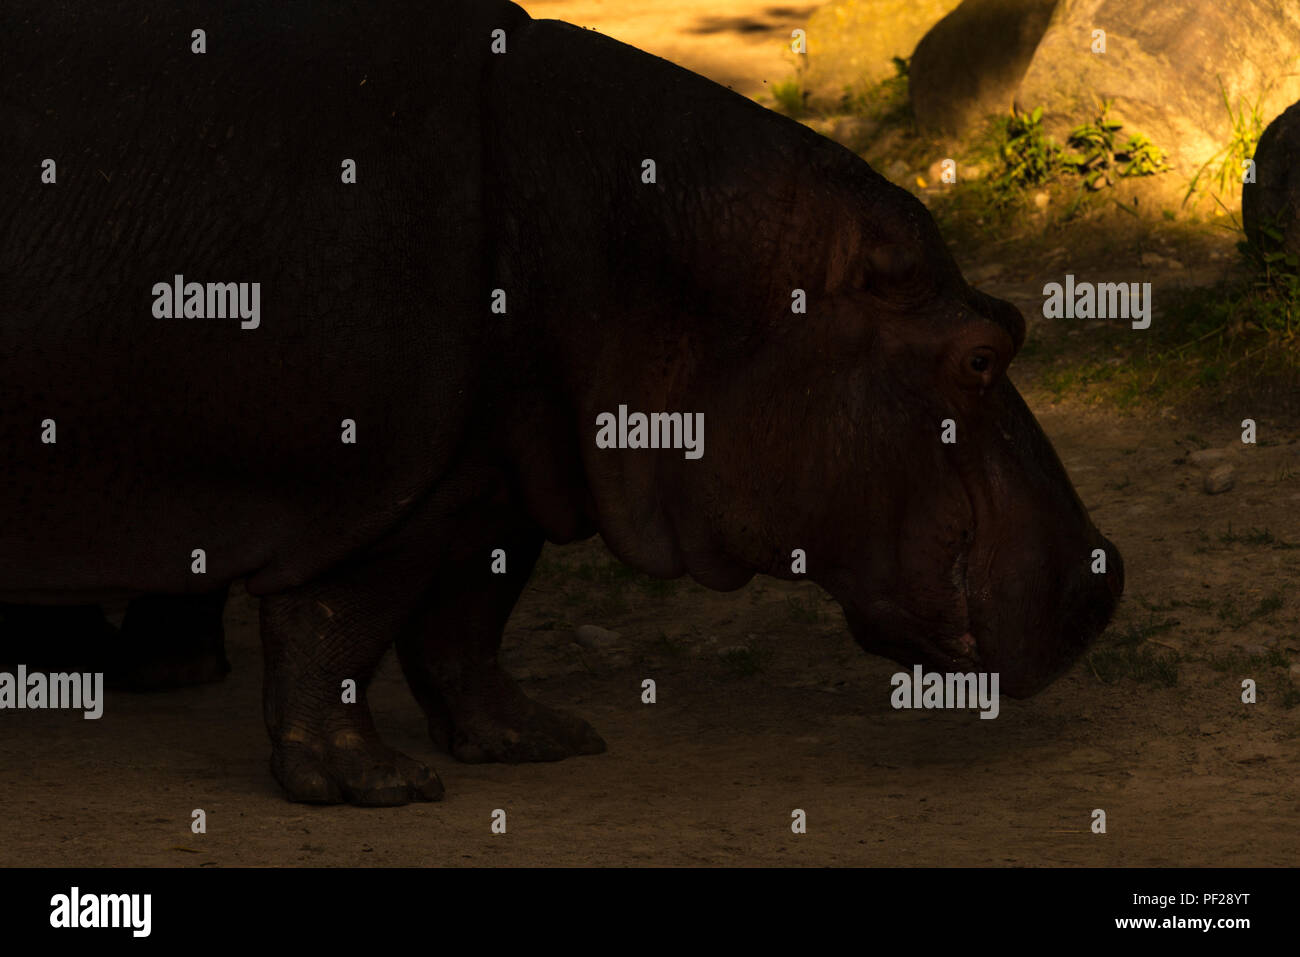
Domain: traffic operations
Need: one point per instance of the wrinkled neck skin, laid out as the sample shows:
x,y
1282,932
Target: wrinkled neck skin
x,y
675,296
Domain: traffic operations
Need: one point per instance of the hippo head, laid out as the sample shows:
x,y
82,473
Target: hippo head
x,y
954,537
879,434
976,553
875,431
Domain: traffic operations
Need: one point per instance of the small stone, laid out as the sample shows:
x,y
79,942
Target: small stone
x,y
1295,672
595,637
1209,728
972,172
984,272
1156,261
1206,458
1041,199
1219,479
847,129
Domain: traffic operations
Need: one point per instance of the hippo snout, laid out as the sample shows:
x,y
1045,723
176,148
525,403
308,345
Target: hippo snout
x,y
1086,607
1114,573
1102,592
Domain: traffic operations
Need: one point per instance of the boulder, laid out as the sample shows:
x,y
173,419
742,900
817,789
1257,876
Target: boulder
x,y
1274,197
971,62
1162,69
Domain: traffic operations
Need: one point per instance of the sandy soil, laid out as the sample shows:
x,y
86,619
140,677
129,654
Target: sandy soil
x,y
741,43
764,703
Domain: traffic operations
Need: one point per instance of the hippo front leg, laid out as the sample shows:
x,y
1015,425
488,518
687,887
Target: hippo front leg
x,y
449,655
324,746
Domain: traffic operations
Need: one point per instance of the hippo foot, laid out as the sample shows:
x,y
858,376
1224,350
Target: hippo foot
x,y
511,728
351,768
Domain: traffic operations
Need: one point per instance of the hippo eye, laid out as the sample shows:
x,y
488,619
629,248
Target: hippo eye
x,y
979,367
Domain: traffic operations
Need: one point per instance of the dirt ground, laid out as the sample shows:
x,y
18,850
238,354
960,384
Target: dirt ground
x,y
766,705
742,44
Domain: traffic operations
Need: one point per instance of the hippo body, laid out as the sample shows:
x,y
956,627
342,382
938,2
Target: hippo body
x,y
194,451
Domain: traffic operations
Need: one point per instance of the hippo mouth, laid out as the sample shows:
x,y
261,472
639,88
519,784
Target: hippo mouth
x,y
960,653
911,641
893,631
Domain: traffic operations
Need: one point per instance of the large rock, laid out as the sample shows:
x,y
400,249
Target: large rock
x,y
852,43
972,61
1274,197
1162,67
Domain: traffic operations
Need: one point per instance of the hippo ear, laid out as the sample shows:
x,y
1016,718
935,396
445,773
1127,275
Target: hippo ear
x,y
1003,313
892,265
898,271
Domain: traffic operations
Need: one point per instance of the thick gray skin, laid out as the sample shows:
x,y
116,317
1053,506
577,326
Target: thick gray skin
x,y
476,431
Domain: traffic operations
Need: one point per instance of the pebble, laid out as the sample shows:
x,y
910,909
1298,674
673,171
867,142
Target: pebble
x,y
1219,479
1151,260
593,636
983,272
1204,458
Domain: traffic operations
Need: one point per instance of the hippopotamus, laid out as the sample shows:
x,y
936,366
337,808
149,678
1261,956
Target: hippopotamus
x,y
452,245
165,641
